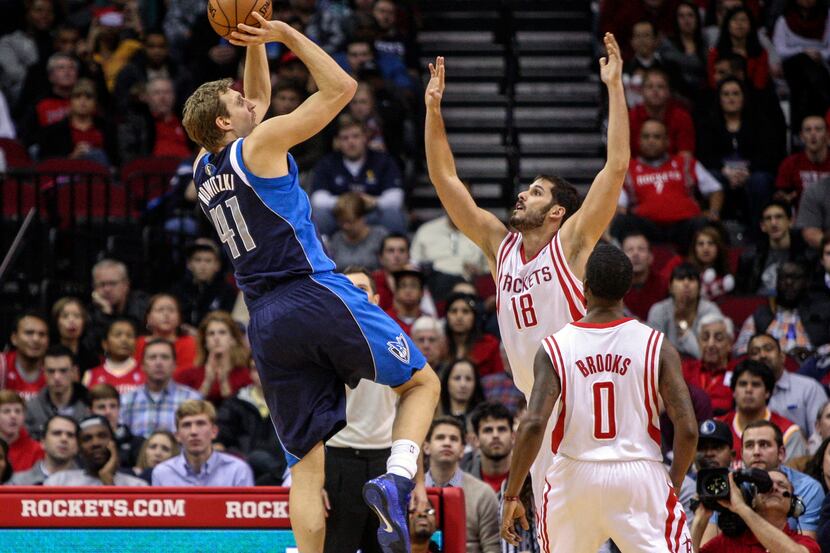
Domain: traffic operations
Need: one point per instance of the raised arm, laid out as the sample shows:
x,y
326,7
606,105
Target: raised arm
x,y
678,404
256,80
581,232
479,225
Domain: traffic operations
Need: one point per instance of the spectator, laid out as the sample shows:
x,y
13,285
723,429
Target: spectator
x,y
6,469
821,284
619,17
658,104
738,148
164,320
422,526
766,521
465,338
679,315
204,288
428,335
287,96
153,406
199,464
713,371
326,22
492,425
804,169
816,464
795,397
81,134
445,445
647,287
392,256
112,297
105,401
23,450
461,390
814,213
23,48
759,263
63,394
709,254
739,35
714,445
362,108
360,52
71,320
752,386
686,50
60,447
657,198
406,303
797,321
353,167
99,456
355,242
221,367
160,446
802,39
24,364
390,39
53,105
821,429
120,368
179,22
166,127
151,62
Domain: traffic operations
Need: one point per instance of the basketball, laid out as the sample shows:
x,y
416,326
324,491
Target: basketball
x,y
224,15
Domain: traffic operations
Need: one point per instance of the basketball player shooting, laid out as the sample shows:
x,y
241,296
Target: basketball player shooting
x,y
311,329
607,479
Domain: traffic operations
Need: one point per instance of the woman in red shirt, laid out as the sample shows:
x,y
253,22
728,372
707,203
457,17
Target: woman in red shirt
x,y
465,338
739,35
222,364
163,320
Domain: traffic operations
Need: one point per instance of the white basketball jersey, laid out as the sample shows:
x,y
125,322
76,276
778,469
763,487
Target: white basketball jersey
x,y
607,409
534,299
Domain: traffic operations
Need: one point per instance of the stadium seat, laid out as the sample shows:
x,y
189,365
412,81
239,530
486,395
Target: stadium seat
x,y
738,308
16,155
147,178
83,191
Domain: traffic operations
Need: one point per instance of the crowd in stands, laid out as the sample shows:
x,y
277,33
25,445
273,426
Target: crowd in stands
x,y
725,215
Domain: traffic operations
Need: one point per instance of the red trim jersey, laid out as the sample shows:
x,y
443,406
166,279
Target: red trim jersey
x,y
609,376
124,383
14,380
788,428
663,194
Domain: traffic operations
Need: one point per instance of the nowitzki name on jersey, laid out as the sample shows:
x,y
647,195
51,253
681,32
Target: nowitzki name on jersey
x,y
224,182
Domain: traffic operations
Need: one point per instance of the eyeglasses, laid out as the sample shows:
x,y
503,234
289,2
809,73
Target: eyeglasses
x,y
428,512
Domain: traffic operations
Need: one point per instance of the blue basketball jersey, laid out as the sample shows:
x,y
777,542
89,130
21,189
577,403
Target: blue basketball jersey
x,y
264,224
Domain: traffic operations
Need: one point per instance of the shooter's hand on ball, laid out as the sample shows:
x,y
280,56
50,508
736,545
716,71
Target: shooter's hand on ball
x,y
268,31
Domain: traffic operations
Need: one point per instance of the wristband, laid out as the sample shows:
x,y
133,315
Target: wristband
x,y
511,498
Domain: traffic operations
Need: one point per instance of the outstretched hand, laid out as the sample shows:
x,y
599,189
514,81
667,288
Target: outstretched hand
x,y
611,65
435,87
268,31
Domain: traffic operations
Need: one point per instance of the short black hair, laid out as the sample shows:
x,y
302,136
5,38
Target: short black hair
x,y
448,420
647,22
763,423
685,270
155,342
765,335
60,350
62,417
788,210
392,236
490,410
33,313
360,269
564,193
608,272
755,368
121,319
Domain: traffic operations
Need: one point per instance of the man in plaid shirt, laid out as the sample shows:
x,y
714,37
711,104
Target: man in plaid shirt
x,y
153,406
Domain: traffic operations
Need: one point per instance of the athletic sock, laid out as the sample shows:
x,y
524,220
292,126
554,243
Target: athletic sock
x,y
403,460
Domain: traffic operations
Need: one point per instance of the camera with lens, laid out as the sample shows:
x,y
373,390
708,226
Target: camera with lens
x,y
713,485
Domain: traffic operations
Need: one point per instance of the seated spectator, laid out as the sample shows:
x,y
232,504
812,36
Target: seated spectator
x,y
287,96
53,104
60,447
709,254
362,108
752,385
465,338
428,335
444,445
799,322
353,167
199,464
153,406
71,320
816,464
63,394
221,367
99,456
645,56
714,446
738,148
392,256
679,315
658,104
713,371
168,132
355,242
647,287
112,297
105,401
24,364
409,293
26,46
390,39
802,39
160,446
163,320
461,390
738,34
81,134
23,450
821,429
422,526
204,288
759,263
6,469
821,284
120,368
492,424
360,52
619,17
814,213
804,169
686,50
657,198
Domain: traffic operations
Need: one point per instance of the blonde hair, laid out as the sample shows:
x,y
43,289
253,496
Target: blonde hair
x,y
193,407
239,353
141,462
200,113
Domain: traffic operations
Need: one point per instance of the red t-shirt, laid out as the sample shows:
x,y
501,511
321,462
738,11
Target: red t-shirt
x,y
494,480
51,110
15,381
394,315
663,194
486,354
714,383
385,292
170,138
195,376
678,122
185,346
747,542
126,383
640,298
757,69
797,172
24,452
787,427
92,136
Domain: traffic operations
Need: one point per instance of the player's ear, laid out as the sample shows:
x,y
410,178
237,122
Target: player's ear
x,y
224,123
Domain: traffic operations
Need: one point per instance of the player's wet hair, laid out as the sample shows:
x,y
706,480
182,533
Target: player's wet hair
x,y
201,111
564,194
608,272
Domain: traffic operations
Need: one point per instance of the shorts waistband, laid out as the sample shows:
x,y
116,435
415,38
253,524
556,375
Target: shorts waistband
x,y
279,287
364,453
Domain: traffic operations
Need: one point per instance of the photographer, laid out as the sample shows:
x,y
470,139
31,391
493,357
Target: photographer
x,y
766,521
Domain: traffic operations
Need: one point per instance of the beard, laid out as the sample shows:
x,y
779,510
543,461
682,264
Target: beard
x,y
528,220
495,456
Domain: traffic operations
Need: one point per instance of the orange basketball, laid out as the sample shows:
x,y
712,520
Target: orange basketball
x,y
225,14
